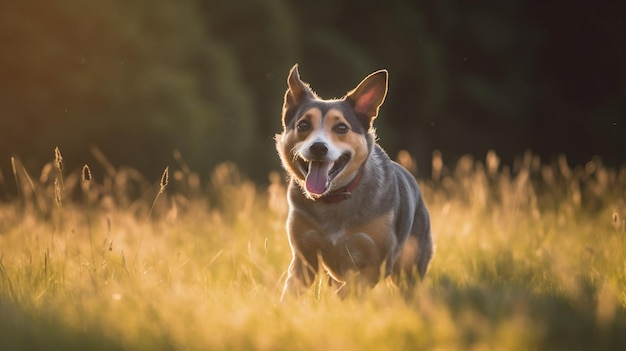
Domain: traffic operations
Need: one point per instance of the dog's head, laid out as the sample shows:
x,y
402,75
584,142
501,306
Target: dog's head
x,y
325,142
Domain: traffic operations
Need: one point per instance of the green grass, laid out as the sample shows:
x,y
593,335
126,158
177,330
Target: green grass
x,y
528,258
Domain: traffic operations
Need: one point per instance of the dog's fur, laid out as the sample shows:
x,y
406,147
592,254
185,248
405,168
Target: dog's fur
x,y
352,211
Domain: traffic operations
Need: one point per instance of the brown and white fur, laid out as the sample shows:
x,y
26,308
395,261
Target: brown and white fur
x,y
353,212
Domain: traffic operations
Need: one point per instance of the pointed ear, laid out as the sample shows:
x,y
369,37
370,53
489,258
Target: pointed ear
x,y
367,97
297,92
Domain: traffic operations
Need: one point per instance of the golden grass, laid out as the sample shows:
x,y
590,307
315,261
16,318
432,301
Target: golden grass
x,y
528,257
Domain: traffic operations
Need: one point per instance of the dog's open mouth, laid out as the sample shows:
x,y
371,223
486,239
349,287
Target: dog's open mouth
x,y
320,173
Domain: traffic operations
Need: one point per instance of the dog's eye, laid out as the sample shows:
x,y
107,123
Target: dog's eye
x,y
341,128
303,126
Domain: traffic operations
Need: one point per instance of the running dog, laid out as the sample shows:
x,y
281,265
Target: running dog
x,y
353,212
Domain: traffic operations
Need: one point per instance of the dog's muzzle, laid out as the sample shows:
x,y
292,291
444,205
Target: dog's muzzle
x,y
319,174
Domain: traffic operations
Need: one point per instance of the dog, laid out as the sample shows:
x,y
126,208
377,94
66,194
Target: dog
x,y
353,212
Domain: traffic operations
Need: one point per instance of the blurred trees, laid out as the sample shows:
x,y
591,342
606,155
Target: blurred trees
x,y
141,78
136,78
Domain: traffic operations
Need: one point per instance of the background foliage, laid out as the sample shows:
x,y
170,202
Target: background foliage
x,y
139,79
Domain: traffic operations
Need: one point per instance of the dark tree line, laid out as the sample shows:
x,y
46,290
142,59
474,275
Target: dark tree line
x,y
139,79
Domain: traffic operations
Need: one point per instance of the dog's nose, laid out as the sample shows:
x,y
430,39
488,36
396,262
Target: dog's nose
x,y
319,149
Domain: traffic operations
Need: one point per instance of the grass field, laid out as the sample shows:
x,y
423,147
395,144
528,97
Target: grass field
x,y
529,257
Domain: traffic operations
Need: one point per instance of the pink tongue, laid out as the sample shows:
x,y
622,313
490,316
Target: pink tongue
x,y
318,177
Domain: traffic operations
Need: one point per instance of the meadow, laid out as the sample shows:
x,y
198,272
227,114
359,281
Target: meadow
x,y
530,256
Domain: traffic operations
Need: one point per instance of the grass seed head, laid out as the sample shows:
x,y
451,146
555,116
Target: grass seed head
x,y
493,162
57,192
437,165
165,178
58,159
86,174
13,168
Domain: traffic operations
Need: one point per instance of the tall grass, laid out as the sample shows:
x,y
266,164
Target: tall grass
x,y
531,256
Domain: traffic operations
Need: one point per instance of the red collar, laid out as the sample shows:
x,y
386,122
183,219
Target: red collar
x,y
343,193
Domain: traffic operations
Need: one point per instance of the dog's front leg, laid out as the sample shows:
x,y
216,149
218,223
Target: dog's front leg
x,y
301,276
362,263
307,244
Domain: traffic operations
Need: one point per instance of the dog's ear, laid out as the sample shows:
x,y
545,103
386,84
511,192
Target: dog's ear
x,y
297,92
367,97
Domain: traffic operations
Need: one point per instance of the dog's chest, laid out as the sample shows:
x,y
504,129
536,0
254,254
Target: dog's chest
x,y
346,242
335,222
